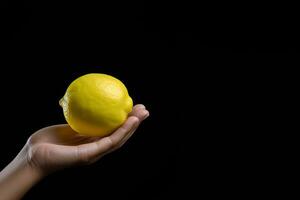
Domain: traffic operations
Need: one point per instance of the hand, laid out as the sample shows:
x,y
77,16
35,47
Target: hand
x,y
56,147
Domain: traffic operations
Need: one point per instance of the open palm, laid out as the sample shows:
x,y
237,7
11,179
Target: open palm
x,y
58,146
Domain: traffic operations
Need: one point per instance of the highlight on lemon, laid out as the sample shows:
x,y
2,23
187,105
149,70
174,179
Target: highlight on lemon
x,y
96,104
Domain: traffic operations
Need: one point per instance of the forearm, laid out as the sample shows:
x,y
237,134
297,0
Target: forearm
x,y
17,178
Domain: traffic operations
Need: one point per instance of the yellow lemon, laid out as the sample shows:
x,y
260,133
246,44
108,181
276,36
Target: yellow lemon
x,y
96,104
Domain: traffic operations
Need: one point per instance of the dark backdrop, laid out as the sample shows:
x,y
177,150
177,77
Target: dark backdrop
x,y
205,72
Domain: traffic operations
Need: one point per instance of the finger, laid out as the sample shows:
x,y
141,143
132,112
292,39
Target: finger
x,y
144,114
119,144
136,111
131,123
141,114
124,140
88,152
137,106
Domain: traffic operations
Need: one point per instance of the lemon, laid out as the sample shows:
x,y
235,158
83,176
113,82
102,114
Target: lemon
x,y
96,104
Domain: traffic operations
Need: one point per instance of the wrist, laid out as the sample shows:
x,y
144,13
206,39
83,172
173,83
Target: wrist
x,y
28,161
32,171
26,168
18,177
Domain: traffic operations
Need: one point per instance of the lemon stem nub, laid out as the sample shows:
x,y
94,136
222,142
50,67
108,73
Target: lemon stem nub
x,y
60,102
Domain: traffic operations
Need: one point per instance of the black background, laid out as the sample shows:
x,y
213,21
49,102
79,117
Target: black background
x,y
206,73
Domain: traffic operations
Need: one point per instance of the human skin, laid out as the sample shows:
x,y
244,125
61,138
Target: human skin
x,y
56,147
